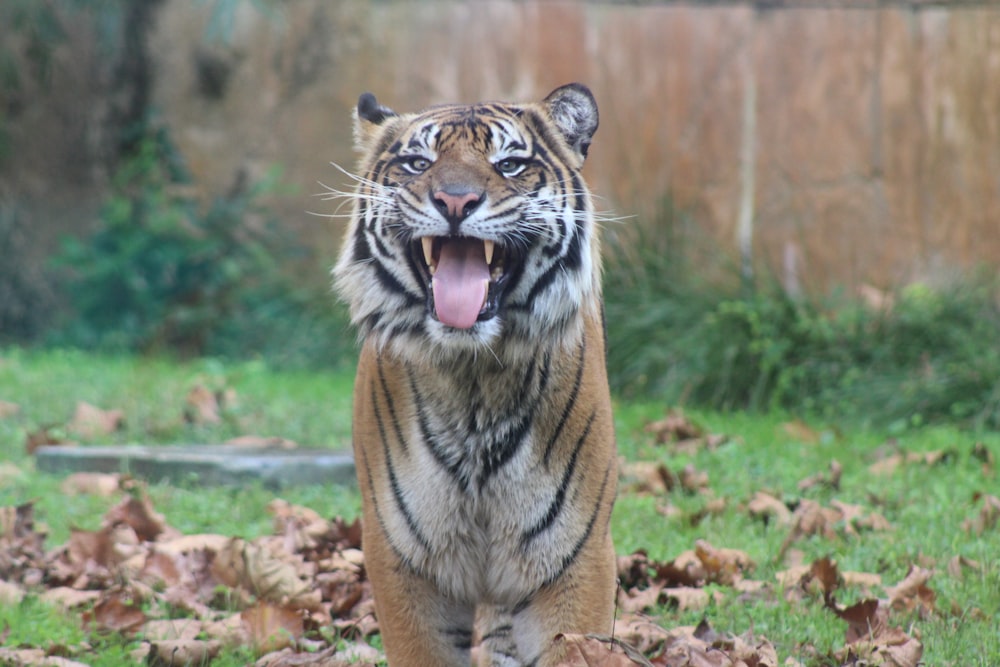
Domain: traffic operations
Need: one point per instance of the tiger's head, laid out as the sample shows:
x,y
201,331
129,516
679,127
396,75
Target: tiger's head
x,y
472,226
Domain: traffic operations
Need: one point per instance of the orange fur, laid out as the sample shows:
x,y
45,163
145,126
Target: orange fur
x,y
485,456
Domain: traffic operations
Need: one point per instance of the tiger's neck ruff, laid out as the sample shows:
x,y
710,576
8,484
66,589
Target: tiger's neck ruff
x,y
482,424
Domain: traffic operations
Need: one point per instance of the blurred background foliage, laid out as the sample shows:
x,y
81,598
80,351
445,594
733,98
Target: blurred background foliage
x,y
162,268
685,326
170,264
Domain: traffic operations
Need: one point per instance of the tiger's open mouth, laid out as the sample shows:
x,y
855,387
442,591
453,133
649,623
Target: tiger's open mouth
x,y
467,278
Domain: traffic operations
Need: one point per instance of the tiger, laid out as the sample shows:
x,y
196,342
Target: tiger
x,y
482,423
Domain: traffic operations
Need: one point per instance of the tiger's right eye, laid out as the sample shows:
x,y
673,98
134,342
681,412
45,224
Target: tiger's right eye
x,y
416,164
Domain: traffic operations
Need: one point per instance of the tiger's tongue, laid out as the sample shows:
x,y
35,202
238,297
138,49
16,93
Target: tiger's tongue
x,y
460,282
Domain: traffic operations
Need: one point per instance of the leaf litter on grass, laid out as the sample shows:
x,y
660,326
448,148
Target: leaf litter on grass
x,y
300,596
296,597
883,644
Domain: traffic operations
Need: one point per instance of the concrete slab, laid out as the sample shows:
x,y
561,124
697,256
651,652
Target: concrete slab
x,y
214,465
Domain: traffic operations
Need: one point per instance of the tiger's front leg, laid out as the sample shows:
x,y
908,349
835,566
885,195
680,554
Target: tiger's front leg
x,y
419,625
580,602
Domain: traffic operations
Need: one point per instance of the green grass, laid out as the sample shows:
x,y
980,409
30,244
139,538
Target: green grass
x,y
926,505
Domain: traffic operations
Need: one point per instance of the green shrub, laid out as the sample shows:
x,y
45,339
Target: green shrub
x,y
682,328
165,273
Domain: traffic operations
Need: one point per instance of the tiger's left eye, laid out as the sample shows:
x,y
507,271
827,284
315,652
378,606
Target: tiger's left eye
x,y
417,164
511,166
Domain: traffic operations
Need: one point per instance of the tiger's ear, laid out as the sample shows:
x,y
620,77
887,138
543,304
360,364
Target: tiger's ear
x,y
574,110
369,118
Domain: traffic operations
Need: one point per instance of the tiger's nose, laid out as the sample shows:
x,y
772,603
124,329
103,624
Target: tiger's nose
x,y
456,207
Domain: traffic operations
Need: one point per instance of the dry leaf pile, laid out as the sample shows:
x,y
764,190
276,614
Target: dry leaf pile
x,y
294,591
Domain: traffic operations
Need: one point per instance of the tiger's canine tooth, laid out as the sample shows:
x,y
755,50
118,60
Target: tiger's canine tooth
x,y
428,244
488,247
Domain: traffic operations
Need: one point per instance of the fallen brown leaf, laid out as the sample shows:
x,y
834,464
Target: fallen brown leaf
x,y
138,512
645,477
573,650
352,655
989,515
45,436
196,542
90,421
261,442
172,629
830,478
272,627
693,480
799,430
912,593
635,600
115,611
824,573
68,598
702,646
890,648
91,483
889,464
810,518
723,566
342,588
202,406
181,652
864,580
10,594
958,565
35,657
252,566
8,409
767,506
686,598
675,426
231,631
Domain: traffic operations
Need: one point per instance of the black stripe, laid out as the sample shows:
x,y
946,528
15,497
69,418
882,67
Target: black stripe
x,y
382,249
502,452
391,284
543,378
573,257
579,198
404,559
391,406
543,282
499,632
373,321
572,555
397,492
461,637
560,498
508,447
379,168
577,382
362,251
452,467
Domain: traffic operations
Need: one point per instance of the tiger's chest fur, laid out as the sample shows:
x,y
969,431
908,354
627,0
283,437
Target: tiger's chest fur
x,y
489,468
